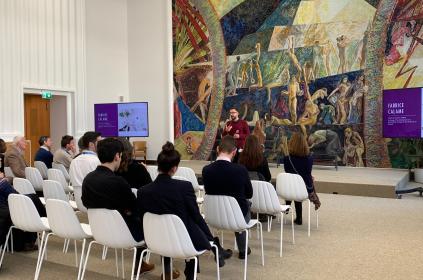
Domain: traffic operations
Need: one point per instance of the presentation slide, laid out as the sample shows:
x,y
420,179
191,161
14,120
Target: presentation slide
x,y
402,113
122,119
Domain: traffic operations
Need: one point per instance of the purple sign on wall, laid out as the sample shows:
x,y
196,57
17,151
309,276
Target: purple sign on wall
x,y
106,119
402,113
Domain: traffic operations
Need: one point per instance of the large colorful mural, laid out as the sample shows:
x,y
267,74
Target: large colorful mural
x,y
292,65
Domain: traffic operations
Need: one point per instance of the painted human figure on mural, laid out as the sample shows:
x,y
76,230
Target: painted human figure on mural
x,y
244,73
233,76
342,44
401,39
359,89
327,49
203,95
316,57
338,98
293,88
327,114
311,109
282,80
353,148
327,139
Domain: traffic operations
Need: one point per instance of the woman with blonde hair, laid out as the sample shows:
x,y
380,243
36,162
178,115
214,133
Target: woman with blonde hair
x,y
297,160
259,133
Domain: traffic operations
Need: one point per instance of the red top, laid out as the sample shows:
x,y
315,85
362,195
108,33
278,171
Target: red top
x,y
238,127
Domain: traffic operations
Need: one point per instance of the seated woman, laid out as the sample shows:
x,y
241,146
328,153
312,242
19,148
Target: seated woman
x,y
133,172
298,161
253,159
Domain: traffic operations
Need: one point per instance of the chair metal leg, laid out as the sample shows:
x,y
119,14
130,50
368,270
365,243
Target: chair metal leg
x,y
292,227
117,263
86,259
41,253
246,254
4,249
269,223
195,268
76,253
317,219
280,249
217,261
82,259
133,262
309,218
171,269
123,265
261,241
145,251
104,254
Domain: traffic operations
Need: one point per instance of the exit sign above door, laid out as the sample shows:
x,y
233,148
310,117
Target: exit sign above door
x,y
46,94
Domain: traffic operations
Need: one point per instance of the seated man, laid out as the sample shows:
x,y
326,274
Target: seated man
x,y
103,189
169,196
66,153
223,177
87,160
14,157
43,154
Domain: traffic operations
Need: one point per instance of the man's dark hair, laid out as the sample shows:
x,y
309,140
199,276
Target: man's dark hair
x,y
168,158
108,148
2,146
42,140
227,144
66,140
233,108
89,137
81,144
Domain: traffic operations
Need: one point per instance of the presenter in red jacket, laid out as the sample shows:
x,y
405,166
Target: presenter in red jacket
x,y
237,128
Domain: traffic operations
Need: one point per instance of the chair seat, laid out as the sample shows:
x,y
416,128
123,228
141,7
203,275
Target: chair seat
x,y
87,230
43,201
44,220
252,223
200,200
73,204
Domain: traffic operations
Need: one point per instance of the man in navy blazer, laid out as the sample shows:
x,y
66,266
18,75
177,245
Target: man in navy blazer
x,y
43,154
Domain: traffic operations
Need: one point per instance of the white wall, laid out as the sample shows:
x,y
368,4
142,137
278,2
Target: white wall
x,y
58,124
150,66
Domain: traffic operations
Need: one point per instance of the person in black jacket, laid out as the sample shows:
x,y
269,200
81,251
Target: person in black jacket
x,y
253,159
133,172
43,154
223,177
2,151
101,188
170,196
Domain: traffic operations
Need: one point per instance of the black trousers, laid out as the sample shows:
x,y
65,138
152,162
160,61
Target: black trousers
x,y
298,208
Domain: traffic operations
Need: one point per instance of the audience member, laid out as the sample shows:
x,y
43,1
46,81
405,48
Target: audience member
x,y
237,128
298,161
43,154
65,154
223,177
253,159
87,161
259,133
101,188
14,157
133,172
169,196
2,151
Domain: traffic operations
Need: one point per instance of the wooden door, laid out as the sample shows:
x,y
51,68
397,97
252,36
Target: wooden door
x,y
37,120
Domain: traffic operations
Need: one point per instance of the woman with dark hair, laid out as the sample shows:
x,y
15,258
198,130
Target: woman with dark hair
x,y
133,172
253,159
2,151
169,196
298,161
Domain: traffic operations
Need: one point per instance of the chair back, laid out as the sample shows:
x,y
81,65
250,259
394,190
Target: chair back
x,y
63,221
109,228
23,186
8,172
62,168
265,199
77,193
53,189
188,173
291,187
223,212
153,171
57,175
24,215
42,167
34,176
167,236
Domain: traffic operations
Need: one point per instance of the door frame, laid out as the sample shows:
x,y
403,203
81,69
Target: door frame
x,y
69,104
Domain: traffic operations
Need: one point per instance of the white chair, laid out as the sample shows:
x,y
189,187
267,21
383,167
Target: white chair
x,y
53,190
190,175
200,200
167,236
25,217
292,187
8,172
23,186
265,201
109,229
152,170
223,212
42,167
65,224
77,192
62,168
34,176
57,175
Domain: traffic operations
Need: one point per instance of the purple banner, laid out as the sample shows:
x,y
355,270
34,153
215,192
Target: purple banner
x,y
402,113
106,119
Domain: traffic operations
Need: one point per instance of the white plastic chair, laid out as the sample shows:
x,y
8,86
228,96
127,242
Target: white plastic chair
x,y
57,175
53,190
25,217
167,236
77,192
223,212
8,172
200,200
62,168
190,175
34,176
65,224
152,170
265,201
292,187
23,186
42,167
109,229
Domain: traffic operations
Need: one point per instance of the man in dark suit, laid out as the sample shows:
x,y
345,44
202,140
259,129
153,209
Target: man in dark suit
x,y
169,196
101,188
43,154
223,177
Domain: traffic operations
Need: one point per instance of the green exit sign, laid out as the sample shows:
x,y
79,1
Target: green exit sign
x,y
46,94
